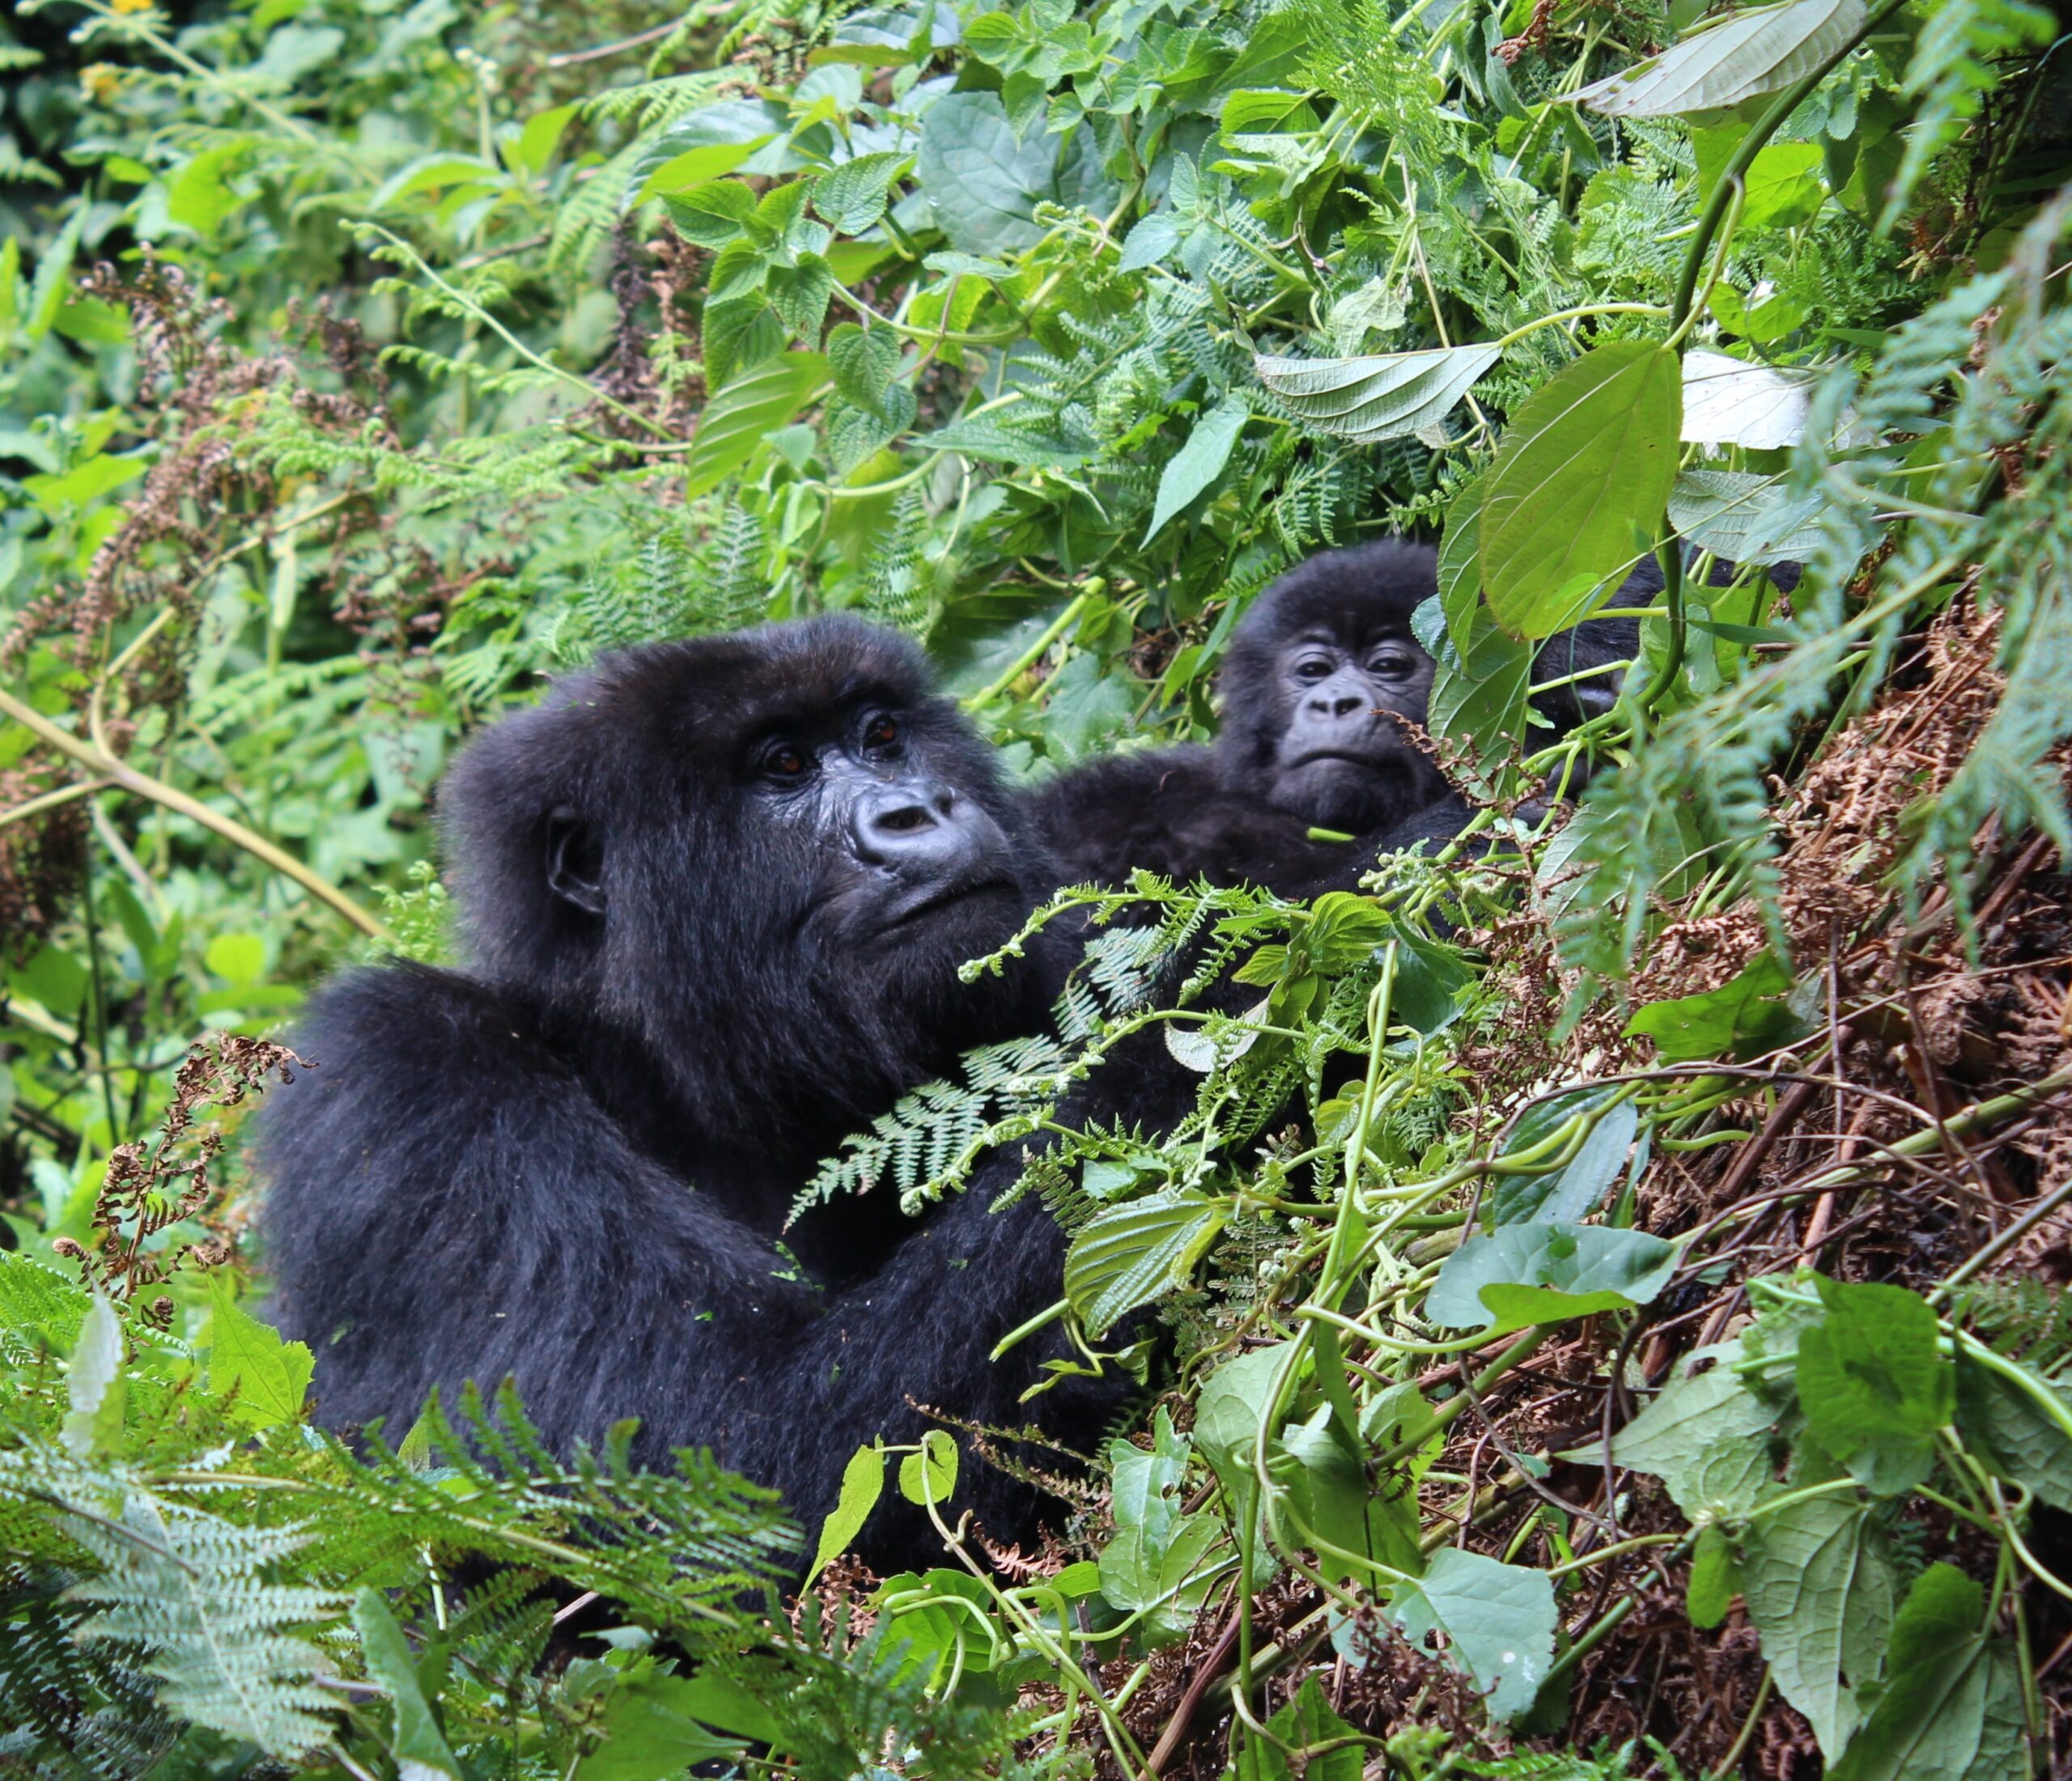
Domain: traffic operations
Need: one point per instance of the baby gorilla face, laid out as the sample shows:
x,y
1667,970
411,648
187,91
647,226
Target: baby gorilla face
x,y
1344,760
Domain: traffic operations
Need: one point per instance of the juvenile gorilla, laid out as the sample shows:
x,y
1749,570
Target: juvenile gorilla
x,y
1321,683
716,893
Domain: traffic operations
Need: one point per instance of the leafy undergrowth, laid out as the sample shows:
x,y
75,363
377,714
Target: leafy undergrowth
x,y
1603,1313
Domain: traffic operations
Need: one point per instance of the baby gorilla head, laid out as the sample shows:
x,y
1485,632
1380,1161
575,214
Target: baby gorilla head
x,y
1322,679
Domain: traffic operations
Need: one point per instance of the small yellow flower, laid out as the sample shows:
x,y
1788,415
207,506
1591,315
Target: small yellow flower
x,y
131,6
100,81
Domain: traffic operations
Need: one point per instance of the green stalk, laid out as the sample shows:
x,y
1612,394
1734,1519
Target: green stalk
x,y
1725,195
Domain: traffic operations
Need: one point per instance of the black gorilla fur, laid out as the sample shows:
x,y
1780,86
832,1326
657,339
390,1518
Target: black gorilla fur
x,y
1321,681
694,971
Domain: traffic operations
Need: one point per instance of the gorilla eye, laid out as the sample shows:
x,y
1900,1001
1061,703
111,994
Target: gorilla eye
x,y
881,732
781,761
1312,667
1392,663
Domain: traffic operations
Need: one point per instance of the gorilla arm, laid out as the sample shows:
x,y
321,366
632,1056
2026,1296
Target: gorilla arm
x,y
449,1203
1166,811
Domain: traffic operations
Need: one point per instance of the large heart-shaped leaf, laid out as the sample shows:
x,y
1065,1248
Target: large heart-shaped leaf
x,y
1729,402
1498,1620
1379,396
1579,484
1743,517
1762,50
1529,1273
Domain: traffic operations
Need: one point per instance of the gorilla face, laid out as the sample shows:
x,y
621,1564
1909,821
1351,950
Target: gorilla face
x,y
905,858
1322,680
1344,758
781,835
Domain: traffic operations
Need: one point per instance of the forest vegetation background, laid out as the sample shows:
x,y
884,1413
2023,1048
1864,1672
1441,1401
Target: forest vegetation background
x,y
1646,1354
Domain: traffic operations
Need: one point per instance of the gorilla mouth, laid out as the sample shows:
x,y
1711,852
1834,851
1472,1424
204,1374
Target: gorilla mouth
x,y
1371,763
937,899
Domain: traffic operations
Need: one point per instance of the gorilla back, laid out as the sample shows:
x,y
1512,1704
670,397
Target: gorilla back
x,y
715,893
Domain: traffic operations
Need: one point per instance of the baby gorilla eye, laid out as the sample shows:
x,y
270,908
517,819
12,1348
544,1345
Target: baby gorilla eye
x,y
1312,667
1392,664
782,761
881,732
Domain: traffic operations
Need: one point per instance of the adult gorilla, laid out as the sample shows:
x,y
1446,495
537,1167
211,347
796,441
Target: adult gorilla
x,y
716,893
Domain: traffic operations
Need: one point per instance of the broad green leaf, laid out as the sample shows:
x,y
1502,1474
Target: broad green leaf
x,y
1498,1620
198,196
1145,1503
708,142
429,173
1707,1437
269,1376
1460,567
1579,483
94,1386
1730,401
2003,1425
1744,518
1760,51
1544,1273
415,1739
1374,1533
1951,1707
1784,188
1818,1578
1715,1579
743,414
1150,240
930,1476
649,1730
985,182
714,215
863,1483
534,145
1380,395
1479,697
1198,462
1743,1017
93,323
1235,1409
1154,1565
53,278
1129,1254
1306,1723
1564,1195
863,362
852,196
237,958
86,482
1874,1385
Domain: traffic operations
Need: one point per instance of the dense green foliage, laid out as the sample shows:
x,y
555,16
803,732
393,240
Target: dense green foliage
x,y
362,363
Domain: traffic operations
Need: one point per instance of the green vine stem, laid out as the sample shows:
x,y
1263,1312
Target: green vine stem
x,y
1725,194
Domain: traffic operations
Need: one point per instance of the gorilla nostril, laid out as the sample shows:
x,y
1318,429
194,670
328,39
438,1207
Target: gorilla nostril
x,y
1346,705
904,820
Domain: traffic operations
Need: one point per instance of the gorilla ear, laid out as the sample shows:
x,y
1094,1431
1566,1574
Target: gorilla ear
x,y
575,862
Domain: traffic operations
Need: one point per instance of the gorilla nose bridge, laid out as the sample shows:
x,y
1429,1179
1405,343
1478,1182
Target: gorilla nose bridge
x,y
909,823
1344,695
